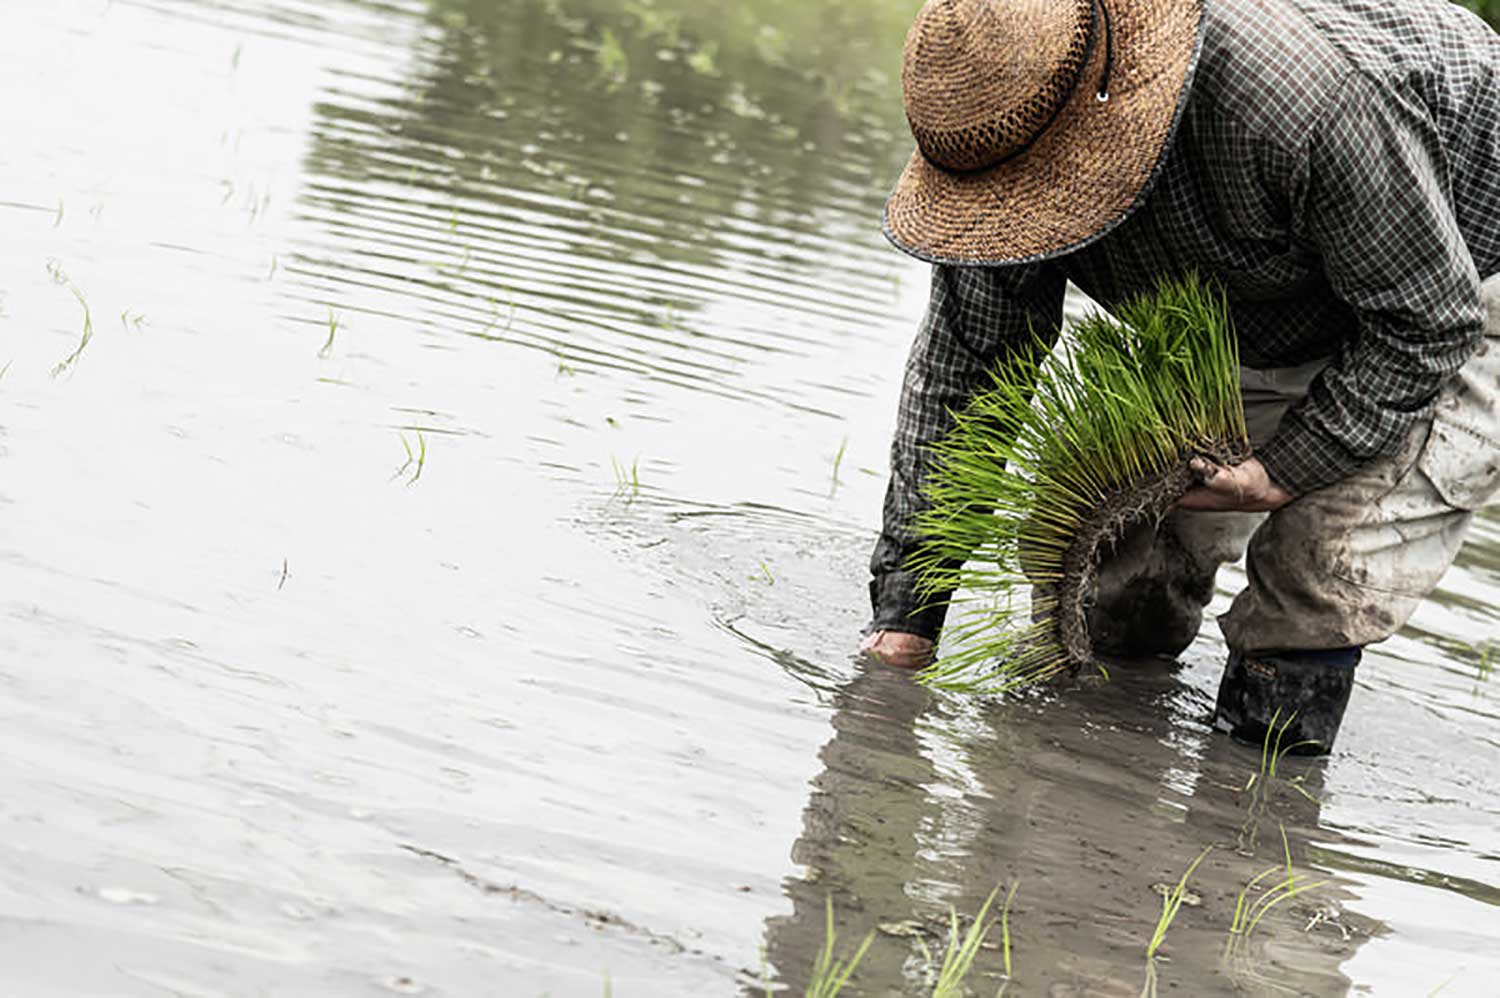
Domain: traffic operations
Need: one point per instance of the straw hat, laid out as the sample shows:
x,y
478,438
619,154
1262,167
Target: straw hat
x,y
1039,123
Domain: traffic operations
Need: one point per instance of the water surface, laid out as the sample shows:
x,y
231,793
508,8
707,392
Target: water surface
x,y
437,571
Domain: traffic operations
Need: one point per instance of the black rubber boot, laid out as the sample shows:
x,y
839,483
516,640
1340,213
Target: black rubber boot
x,y
1307,691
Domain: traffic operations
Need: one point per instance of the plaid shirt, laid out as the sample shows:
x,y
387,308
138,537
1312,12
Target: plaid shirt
x,y
1337,171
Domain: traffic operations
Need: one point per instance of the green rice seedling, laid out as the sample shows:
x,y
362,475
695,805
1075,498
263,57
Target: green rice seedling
x,y
1171,902
67,362
838,460
1442,987
1486,666
958,959
831,973
1044,470
494,316
1259,784
1272,752
1296,784
1277,752
1242,904
1248,914
627,479
1010,896
1273,897
416,459
334,320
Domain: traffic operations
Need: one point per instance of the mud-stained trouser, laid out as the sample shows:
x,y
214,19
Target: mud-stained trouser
x,y
1343,565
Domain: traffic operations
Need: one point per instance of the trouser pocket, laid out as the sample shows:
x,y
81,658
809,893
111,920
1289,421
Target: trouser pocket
x,y
1462,456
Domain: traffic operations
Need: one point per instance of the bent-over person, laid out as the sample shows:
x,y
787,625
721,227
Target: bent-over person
x,y
1333,167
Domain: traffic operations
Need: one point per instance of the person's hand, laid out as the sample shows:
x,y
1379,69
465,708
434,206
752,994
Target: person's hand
x,y
905,651
1244,488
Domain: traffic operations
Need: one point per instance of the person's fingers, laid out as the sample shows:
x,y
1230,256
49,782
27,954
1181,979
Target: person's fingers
x,y
1233,481
905,651
1206,497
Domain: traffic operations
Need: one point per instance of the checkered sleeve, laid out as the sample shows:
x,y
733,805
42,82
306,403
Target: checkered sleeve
x,y
975,317
1374,202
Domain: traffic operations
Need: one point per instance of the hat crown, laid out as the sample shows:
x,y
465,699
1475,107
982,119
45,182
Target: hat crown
x,y
981,79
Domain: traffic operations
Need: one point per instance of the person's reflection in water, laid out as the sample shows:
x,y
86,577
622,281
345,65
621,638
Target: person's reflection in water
x,y
1090,797
860,833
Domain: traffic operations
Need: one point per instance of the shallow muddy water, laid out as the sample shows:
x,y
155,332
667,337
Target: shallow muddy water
x,y
437,571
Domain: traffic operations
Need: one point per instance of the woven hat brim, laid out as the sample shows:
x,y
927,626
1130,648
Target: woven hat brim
x,y
1084,174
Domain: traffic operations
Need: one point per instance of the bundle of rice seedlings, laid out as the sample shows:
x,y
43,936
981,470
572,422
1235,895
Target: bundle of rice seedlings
x,y
1047,468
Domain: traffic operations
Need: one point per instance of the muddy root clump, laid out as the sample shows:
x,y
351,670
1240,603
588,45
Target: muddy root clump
x,y
1148,500
1046,469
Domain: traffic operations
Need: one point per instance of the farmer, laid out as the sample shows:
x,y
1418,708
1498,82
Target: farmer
x,y
1333,166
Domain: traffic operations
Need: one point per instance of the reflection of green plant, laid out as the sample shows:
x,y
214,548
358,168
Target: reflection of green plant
x,y
703,59
1069,450
609,54
655,22
847,51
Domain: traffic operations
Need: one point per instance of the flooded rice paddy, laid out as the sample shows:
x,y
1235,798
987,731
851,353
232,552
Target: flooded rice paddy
x,y
440,443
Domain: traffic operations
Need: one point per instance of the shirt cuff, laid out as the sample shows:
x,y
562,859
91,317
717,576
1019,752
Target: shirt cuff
x,y
1301,459
898,607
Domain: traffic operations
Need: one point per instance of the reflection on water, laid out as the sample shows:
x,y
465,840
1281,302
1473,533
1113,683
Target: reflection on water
x,y
918,809
576,703
600,181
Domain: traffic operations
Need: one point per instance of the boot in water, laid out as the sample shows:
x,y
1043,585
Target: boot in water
x,y
1307,691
